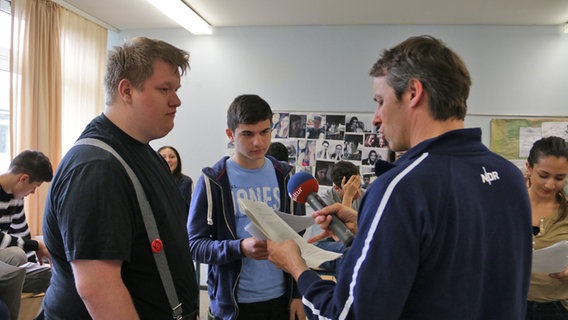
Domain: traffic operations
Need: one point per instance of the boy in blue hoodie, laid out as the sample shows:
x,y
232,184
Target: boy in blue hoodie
x,y
242,283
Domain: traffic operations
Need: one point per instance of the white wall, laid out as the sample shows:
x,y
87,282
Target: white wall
x,y
516,71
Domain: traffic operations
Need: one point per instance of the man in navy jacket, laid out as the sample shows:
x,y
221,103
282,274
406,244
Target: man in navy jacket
x,y
446,232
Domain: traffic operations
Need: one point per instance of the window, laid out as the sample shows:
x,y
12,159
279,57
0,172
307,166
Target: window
x,y
5,24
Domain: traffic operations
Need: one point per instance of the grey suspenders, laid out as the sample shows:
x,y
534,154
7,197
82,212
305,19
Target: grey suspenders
x,y
151,228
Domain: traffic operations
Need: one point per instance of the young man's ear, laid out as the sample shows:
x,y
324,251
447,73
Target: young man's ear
x,y
24,177
125,90
229,134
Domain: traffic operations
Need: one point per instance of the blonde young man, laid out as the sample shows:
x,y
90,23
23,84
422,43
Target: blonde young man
x,y
103,264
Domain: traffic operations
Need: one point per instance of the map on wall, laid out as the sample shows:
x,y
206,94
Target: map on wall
x,y
513,138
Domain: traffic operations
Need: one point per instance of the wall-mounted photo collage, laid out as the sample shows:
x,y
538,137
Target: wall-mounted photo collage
x,y
315,141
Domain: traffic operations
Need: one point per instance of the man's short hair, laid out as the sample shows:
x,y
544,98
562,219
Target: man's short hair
x,y
343,169
248,109
33,163
135,61
441,71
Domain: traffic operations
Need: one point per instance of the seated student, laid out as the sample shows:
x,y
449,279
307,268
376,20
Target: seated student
x,y
346,187
26,172
346,190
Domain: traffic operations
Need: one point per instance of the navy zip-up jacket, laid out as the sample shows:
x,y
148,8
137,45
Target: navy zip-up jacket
x,y
444,234
213,237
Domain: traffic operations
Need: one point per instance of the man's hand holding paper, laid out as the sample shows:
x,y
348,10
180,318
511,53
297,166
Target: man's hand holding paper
x,y
273,227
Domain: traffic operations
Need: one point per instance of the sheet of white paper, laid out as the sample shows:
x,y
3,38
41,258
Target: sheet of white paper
x,y
273,227
559,129
551,259
255,232
31,266
297,223
527,136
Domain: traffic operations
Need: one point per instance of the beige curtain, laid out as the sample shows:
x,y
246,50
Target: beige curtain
x,y
84,57
42,78
35,97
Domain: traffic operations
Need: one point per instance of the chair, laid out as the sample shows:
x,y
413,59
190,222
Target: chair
x,y
30,305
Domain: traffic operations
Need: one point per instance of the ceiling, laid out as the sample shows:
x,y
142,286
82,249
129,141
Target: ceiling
x,y
139,14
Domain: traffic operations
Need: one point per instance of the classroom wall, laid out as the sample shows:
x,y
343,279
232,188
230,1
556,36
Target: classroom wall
x,y
516,71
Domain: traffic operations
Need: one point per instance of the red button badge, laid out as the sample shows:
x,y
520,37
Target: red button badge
x,y
157,245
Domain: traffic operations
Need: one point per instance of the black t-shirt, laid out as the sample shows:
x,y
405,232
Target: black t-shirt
x,y
92,213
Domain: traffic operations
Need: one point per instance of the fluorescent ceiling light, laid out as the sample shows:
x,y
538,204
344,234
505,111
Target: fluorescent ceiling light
x,y
183,15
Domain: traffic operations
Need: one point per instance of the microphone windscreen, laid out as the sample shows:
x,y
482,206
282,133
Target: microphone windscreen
x,y
301,185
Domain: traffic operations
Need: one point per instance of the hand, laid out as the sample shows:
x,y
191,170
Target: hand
x,y
287,256
323,217
351,189
297,310
562,276
254,248
42,253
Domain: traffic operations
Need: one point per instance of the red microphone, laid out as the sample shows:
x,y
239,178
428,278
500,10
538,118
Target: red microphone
x,y
302,188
